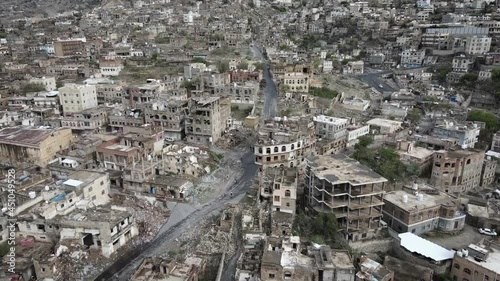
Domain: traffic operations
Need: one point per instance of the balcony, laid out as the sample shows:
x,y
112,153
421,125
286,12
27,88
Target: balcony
x,y
365,191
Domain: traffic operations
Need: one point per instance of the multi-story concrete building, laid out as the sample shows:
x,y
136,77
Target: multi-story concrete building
x,y
75,98
280,185
466,134
330,127
457,170
420,208
412,58
340,185
488,172
462,63
48,82
89,119
477,262
207,119
69,47
495,143
477,45
24,146
285,142
170,116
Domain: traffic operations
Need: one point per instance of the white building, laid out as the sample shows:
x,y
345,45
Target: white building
x,y
327,66
354,133
477,45
48,82
412,58
462,63
75,97
330,127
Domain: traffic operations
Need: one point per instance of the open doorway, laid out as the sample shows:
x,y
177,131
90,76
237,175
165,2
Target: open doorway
x,y
88,240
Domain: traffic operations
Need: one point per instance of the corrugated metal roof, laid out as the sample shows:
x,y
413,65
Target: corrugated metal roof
x,y
416,244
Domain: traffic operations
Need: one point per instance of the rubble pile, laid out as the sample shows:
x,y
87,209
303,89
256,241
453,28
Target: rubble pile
x,y
235,138
74,262
149,217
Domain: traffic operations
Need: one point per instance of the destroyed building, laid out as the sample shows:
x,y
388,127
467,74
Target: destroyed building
x,y
207,119
279,185
285,142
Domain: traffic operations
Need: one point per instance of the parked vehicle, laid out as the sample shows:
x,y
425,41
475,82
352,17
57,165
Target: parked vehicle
x,y
487,231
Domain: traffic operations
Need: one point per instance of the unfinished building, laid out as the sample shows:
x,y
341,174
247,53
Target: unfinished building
x,y
352,192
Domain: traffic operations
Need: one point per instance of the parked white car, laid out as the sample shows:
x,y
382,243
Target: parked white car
x,y
487,231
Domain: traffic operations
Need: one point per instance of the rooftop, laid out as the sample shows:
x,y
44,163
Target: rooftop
x,y
25,136
491,263
426,248
330,120
339,168
384,122
413,203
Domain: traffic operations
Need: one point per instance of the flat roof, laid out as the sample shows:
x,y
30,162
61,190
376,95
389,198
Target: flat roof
x,y
426,248
384,122
73,183
339,168
428,200
330,120
492,263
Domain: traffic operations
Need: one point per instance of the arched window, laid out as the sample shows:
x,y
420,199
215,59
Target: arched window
x,y
466,270
283,148
276,149
287,193
457,266
293,146
268,150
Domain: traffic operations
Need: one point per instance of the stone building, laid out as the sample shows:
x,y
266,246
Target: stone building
x,y
466,134
457,170
420,209
279,184
354,193
477,262
207,119
170,116
24,146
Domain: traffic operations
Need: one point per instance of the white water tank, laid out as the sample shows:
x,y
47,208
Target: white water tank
x,y
405,198
420,197
47,188
465,252
415,186
32,194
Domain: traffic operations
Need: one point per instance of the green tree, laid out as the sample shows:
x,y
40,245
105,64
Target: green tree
x,y
325,224
200,60
487,117
32,88
414,115
243,65
59,83
223,66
